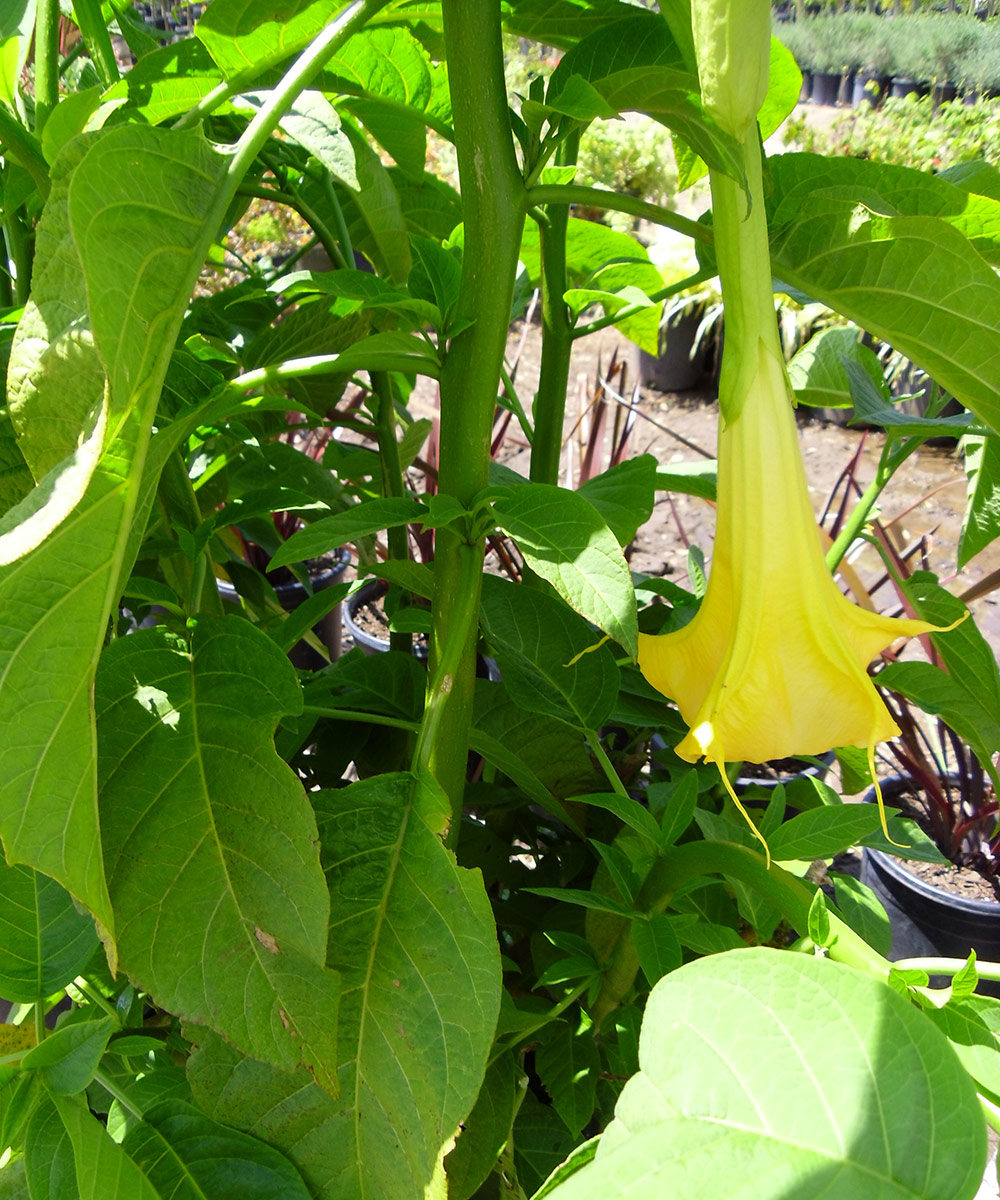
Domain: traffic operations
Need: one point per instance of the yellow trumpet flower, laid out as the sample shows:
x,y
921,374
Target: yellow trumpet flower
x,y
774,664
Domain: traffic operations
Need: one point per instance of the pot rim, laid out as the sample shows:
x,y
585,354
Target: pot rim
x,y
895,866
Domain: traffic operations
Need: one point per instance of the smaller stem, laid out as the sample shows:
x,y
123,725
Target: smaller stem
x,y
887,467
544,1019
95,36
392,485
630,310
338,219
348,714
577,193
948,966
25,148
39,1023
18,253
594,741
122,1097
208,103
306,212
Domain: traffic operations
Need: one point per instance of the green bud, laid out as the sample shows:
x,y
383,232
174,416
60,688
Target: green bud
x,y
732,41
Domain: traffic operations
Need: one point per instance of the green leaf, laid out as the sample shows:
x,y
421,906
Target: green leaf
x,y
566,541
657,946
593,900
48,1155
414,939
312,121
679,809
630,812
187,1155
818,923
767,1074
862,910
817,372
192,794
870,408
16,26
823,832
541,1142
547,760
967,693
568,1064
377,204
167,82
103,1170
981,523
436,276
67,1059
48,809
551,660
624,495
487,1128
247,37
972,1025
691,479
937,300
359,521
44,940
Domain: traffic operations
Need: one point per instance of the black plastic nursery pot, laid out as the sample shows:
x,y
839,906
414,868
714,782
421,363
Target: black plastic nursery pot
x,y
291,595
679,366
826,87
928,921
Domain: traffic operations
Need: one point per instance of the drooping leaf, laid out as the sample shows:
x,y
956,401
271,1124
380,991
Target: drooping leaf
x,y
44,940
860,908
414,939
566,541
135,301
743,1091
486,1129
568,1064
938,300
206,828
357,522
313,122
550,658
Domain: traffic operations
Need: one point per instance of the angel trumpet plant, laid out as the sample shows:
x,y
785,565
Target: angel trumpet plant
x,y
774,663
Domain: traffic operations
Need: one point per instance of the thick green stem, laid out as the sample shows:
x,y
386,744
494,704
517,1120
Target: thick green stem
x,y
557,340
591,197
736,862
46,62
493,204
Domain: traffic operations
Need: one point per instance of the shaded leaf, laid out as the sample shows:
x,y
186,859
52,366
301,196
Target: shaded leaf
x,y
206,828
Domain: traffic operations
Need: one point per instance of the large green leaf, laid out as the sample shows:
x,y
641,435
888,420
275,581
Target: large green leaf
x,y
549,657
56,600
167,82
44,940
772,1076
246,37
565,540
188,1156
414,939
206,829
916,281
